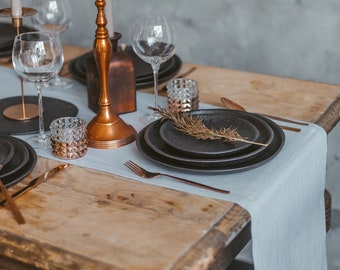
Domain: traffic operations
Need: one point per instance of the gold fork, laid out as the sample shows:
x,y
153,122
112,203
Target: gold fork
x,y
147,174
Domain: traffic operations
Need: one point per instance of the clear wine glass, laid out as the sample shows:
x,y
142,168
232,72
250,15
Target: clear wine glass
x,y
34,58
153,42
54,16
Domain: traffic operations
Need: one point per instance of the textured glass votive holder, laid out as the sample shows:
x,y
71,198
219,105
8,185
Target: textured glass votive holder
x,y
68,137
183,95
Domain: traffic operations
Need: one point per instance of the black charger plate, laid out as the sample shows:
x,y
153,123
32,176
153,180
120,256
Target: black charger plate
x,y
6,151
254,161
144,74
155,142
25,170
18,160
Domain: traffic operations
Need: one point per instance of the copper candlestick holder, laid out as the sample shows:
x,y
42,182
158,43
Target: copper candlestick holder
x,y
20,111
106,129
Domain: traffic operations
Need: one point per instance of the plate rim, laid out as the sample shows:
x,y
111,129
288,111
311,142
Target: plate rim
x,y
25,156
256,149
9,154
19,175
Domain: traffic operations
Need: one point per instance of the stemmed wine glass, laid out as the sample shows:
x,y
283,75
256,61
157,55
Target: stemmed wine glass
x,y
54,16
153,42
34,58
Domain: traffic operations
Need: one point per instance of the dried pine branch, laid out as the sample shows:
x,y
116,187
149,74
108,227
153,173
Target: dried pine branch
x,y
193,126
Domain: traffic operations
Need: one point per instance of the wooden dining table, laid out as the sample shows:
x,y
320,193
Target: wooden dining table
x,y
72,219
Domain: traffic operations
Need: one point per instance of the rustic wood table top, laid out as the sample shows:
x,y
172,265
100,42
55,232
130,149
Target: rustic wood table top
x,y
86,219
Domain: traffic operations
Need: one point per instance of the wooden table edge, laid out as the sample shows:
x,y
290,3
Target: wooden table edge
x,y
219,247
329,119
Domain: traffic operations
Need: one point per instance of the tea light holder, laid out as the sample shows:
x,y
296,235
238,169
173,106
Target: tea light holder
x,y
106,129
21,111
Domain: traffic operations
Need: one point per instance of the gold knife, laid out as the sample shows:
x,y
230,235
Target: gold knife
x,y
15,209
233,105
36,181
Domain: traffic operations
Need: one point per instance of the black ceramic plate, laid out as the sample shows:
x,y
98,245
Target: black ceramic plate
x,y
7,35
198,166
18,175
144,74
6,151
155,142
53,108
212,148
18,160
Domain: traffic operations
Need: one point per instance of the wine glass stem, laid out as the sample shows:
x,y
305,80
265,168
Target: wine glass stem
x,y
42,135
155,68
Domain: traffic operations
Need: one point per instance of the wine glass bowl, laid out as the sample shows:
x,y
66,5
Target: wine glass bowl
x,y
153,42
34,58
54,16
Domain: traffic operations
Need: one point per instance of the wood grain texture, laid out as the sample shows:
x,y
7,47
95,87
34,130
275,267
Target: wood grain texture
x,y
82,219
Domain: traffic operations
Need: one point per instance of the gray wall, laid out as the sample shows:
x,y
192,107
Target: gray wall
x,y
291,38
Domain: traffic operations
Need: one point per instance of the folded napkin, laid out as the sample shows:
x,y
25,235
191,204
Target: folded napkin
x,y
285,196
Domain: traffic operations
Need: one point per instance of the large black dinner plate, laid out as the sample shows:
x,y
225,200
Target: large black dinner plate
x,y
213,148
144,74
53,109
18,175
18,160
6,152
198,166
155,142
7,35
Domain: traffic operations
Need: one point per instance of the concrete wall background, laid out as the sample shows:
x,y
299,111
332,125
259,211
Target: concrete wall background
x,y
291,38
294,38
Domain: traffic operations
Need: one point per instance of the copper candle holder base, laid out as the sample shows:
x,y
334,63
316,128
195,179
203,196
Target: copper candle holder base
x,y
17,112
109,135
106,129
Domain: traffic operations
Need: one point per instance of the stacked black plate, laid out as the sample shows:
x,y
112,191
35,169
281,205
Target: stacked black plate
x,y
144,74
162,143
7,35
17,158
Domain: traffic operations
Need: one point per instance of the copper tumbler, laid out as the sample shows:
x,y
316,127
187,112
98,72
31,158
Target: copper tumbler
x,y
183,95
68,137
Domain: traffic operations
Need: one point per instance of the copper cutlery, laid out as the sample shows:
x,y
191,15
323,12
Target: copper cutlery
x,y
227,103
35,182
147,174
15,209
8,198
